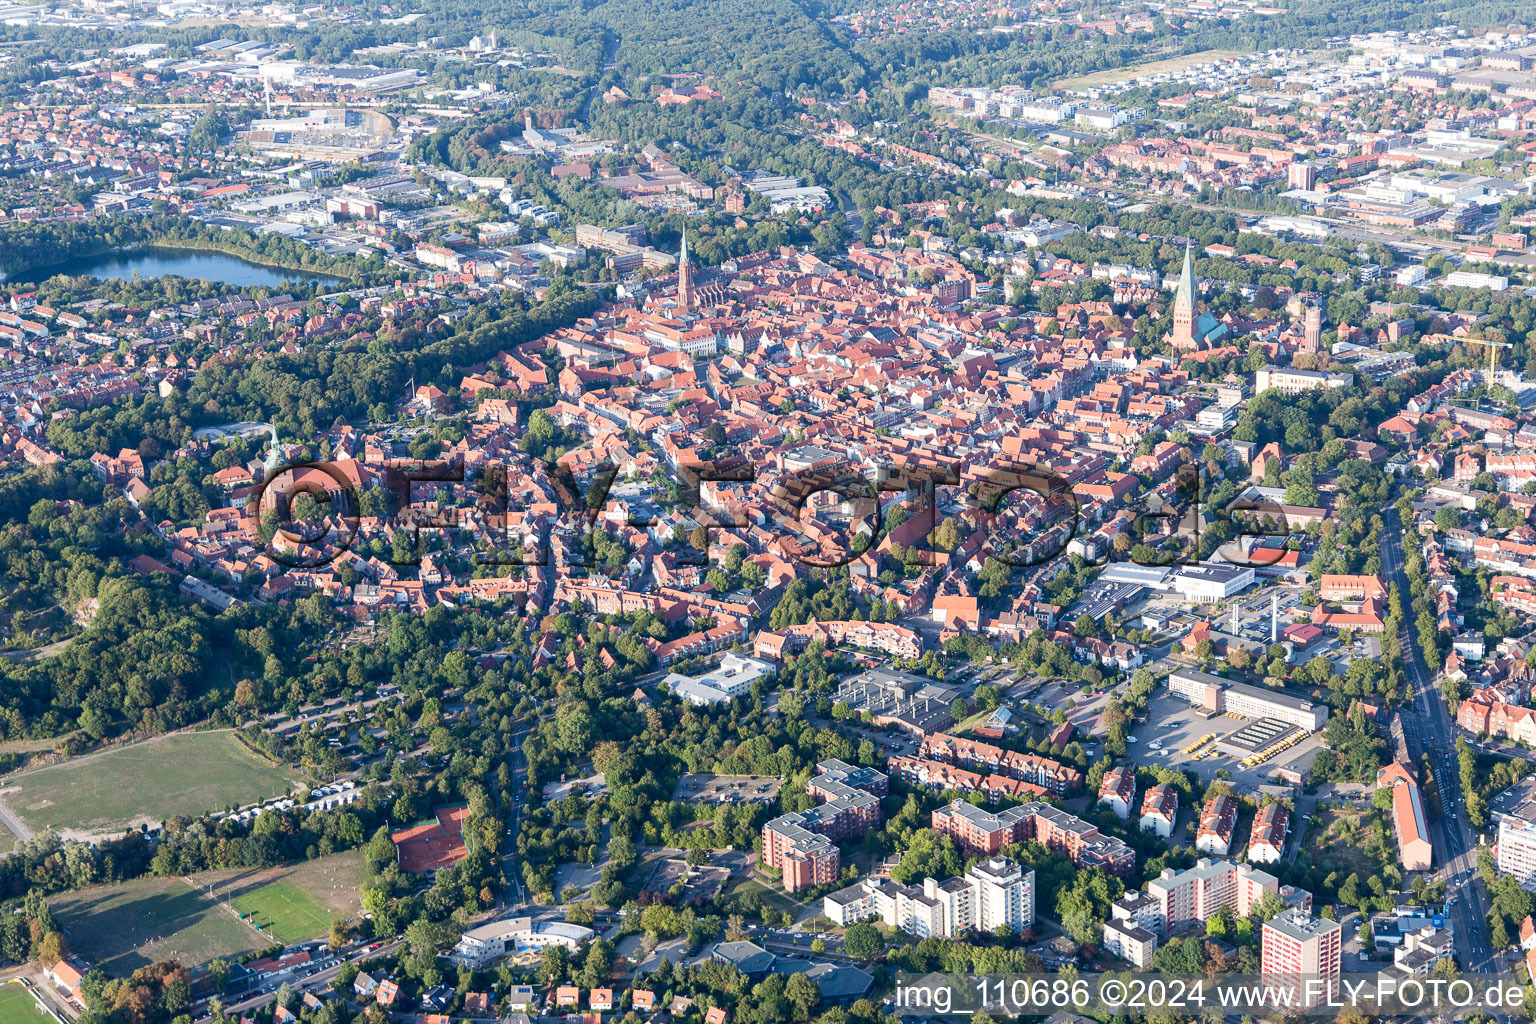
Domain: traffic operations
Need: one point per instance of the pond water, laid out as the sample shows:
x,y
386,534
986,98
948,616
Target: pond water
x,y
151,263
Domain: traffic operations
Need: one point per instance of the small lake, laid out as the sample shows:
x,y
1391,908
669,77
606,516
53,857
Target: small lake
x,y
151,263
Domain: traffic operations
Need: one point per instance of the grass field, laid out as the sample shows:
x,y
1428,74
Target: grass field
x,y
284,911
771,897
1130,71
295,902
189,773
124,927
17,1006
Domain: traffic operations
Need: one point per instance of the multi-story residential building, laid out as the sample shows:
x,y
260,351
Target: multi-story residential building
x,y
1517,845
1481,713
1303,953
1130,942
1005,895
1266,840
801,844
1118,791
992,894
1199,893
1159,810
974,755
875,636
982,831
1218,820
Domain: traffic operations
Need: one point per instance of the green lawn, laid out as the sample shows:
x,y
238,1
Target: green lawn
x,y
127,926
18,1007
145,783
770,897
285,911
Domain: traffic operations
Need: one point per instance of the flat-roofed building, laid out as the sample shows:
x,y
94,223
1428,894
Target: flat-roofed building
x,y
1301,952
487,942
800,845
1213,694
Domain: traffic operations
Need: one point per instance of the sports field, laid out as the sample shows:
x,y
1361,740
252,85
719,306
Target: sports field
x,y
1156,67
17,1006
284,911
124,927
294,902
145,783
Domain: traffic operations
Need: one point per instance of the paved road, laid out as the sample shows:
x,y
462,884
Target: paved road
x,y
515,894
317,982
1428,729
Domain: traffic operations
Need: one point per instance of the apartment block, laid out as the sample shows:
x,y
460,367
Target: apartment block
x,y
801,844
1130,942
1304,953
1160,809
1118,791
992,894
1218,820
972,755
982,831
1198,893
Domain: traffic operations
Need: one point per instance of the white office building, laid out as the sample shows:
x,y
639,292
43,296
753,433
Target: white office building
x,y
479,946
733,678
1470,279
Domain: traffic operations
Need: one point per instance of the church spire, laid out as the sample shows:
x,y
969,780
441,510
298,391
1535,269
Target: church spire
x,y
1184,307
1185,298
684,276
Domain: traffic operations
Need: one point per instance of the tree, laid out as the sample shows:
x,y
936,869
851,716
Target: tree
x,y
862,941
51,948
803,994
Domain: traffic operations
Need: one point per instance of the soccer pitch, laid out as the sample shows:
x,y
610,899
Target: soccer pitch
x,y
284,911
17,1006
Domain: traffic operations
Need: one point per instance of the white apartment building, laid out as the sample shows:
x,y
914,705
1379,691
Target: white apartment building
x,y
1159,810
1517,849
1131,931
1130,942
1004,895
1118,791
993,893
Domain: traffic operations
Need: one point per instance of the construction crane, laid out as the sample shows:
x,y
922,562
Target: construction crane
x,y
1493,351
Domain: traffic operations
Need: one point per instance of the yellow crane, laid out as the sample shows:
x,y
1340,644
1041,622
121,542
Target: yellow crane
x,y
1493,351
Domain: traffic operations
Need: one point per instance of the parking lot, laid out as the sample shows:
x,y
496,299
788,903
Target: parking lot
x,y
1173,725
704,787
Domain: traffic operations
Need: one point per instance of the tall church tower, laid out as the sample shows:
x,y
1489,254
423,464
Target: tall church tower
x,y
685,295
1184,307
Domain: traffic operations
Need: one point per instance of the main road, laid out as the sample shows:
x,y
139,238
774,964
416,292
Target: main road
x,y
1429,730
